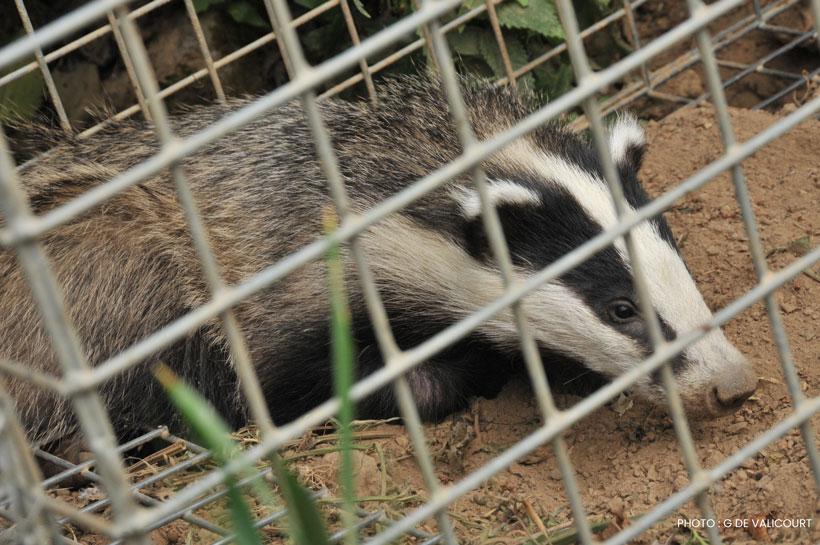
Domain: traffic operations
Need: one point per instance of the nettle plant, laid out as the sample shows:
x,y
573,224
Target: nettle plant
x,y
530,28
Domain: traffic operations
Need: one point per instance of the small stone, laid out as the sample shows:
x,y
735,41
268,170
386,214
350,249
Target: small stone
x,y
737,427
365,470
616,506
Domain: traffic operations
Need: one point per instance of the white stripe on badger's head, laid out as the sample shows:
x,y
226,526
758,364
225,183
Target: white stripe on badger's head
x,y
626,142
499,192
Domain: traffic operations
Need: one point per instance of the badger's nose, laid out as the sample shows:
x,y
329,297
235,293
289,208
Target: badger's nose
x,y
734,387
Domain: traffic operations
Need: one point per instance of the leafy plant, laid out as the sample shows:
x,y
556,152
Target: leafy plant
x,y
530,29
242,11
21,98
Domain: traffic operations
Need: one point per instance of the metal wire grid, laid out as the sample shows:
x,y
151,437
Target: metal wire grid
x,y
647,86
759,20
130,522
187,455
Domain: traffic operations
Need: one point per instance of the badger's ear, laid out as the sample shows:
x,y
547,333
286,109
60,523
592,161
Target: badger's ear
x,y
500,193
626,142
509,198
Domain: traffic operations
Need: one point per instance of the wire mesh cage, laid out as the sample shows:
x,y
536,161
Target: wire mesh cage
x,y
675,57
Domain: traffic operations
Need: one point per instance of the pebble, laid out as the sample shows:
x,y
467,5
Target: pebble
x,y
737,427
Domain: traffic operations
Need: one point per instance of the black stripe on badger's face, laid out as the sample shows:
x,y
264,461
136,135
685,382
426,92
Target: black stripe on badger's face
x,y
541,223
627,146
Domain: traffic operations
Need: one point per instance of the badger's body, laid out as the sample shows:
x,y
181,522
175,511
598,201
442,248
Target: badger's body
x,y
128,267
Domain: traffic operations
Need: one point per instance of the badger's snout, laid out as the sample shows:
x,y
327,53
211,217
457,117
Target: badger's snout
x,y
715,379
731,389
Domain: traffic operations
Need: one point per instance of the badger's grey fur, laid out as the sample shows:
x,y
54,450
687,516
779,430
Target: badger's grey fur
x,y
128,267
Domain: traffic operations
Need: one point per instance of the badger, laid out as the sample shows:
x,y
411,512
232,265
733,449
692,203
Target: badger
x,y
128,267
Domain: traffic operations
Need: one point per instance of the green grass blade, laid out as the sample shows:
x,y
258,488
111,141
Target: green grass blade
x,y
306,524
343,373
243,524
215,436
569,536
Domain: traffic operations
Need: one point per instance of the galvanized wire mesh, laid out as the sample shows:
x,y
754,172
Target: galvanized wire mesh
x,y
31,515
171,457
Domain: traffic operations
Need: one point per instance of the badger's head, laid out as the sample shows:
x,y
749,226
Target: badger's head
x,y
551,196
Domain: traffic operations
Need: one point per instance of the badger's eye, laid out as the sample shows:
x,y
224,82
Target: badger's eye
x,y
622,311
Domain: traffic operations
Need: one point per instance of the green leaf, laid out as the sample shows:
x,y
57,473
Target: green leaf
x,y
215,435
540,16
316,39
360,7
21,98
800,246
466,42
554,80
306,525
245,12
309,4
468,5
344,361
241,516
202,5
326,38
491,53
199,414
209,426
